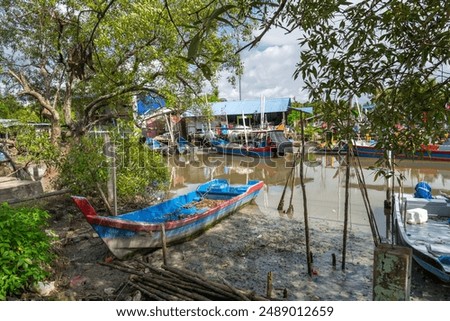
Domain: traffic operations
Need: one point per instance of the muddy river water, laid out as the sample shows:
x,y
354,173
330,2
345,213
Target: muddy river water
x,y
324,178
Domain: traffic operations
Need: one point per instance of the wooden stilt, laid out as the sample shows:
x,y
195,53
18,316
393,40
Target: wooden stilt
x,y
163,242
281,203
269,285
290,209
305,204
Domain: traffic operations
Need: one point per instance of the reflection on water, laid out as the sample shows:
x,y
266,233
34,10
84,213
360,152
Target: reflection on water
x,y
324,181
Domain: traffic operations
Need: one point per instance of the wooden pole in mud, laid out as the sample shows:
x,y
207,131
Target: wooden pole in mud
x,y
291,175
269,285
291,207
347,183
388,204
281,203
305,207
164,243
112,176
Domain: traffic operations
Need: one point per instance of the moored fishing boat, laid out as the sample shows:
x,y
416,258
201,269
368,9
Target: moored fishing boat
x,y
181,217
257,143
423,224
433,152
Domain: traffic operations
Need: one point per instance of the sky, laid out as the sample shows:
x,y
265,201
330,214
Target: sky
x,y
268,70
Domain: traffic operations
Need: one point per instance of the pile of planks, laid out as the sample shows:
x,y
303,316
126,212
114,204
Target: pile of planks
x,y
176,284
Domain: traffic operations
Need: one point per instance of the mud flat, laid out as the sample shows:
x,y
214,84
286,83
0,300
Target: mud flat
x,y
241,249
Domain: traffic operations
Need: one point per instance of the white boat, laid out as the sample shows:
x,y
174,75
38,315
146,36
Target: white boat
x,y
424,226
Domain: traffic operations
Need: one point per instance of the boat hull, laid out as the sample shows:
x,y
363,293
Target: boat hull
x,y
242,151
430,155
263,143
429,241
124,237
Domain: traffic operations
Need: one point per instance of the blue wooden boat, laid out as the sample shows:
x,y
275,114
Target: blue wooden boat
x,y
423,224
181,217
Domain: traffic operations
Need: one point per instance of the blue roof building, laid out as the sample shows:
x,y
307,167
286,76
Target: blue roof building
x,y
271,105
230,113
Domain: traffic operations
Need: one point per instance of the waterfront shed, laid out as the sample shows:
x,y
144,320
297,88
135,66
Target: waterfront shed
x,y
272,111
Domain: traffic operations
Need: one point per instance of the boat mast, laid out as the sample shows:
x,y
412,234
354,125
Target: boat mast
x,y
262,109
245,129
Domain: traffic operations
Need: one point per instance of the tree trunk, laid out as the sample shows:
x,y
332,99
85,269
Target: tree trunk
x,y
55,134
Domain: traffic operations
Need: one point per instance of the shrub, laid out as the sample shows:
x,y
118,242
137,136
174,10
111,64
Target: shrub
x,y
84,167
35,146
25,248
139,171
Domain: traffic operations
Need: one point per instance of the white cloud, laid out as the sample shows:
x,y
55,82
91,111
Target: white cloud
x,y
268,70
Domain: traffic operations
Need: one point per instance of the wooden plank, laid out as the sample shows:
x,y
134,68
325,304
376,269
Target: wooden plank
x,y
44,195
14,190
392,273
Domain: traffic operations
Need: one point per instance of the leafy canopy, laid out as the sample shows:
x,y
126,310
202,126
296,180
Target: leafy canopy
x,y
394,52
82,61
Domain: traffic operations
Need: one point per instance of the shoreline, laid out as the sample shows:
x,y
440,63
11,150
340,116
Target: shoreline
x,y
241,249
246,246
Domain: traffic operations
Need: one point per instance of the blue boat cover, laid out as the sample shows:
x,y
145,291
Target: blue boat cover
x,y
444,259
154,144
423,190
146,105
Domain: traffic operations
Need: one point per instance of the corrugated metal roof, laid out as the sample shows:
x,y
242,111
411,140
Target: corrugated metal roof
x,y
272,105
308,110
9,122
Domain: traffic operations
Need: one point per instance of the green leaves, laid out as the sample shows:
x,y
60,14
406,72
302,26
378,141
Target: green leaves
x,y
389,51
194,46
77,59
25,249
140,172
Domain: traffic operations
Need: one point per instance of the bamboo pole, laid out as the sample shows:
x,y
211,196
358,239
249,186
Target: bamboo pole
x,y
150,294
201,280
165,290
170,283
172,278
219,288
235,291
112,176
105,199
158,292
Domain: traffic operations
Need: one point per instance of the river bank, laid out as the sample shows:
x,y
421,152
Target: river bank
x,y
242,249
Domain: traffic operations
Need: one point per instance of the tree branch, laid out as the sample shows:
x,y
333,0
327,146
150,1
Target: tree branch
x,y
257,39
28,90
